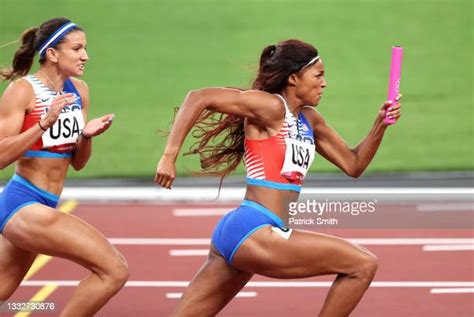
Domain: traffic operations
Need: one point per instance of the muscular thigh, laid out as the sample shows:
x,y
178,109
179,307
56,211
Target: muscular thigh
x,y
304,254
41,229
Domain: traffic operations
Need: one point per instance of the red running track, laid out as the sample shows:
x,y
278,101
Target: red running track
x,y
401,265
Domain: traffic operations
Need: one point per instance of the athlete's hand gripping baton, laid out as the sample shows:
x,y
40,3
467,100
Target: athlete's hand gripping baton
x,y
394,79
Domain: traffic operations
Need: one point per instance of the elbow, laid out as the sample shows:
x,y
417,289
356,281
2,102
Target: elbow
x,y
195,95
355,174
352,169
198,98
77,167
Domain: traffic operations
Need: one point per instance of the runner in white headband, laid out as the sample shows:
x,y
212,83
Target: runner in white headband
x,y
55,38
311,62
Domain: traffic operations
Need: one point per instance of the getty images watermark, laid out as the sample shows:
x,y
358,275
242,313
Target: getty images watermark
x,y
327,212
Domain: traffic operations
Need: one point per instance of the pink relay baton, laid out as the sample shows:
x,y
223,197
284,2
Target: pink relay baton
x,y
394,79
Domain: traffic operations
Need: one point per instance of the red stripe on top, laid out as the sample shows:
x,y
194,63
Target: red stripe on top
x,y
264,158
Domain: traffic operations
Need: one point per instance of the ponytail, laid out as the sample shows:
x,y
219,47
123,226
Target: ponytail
x,y
23,58
31,40
267,53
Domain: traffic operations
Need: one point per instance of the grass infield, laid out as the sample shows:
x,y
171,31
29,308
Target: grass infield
x,y
146,55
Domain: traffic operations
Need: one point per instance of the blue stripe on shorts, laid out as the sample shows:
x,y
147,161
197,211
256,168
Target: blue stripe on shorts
x,y
18,193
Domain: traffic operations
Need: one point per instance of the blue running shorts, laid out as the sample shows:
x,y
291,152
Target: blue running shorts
x,y
19,193
235,227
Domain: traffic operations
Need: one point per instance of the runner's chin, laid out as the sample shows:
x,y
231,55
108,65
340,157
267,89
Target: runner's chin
x,y
316,102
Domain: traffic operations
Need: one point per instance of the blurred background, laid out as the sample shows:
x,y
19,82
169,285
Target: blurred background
x,y
146,55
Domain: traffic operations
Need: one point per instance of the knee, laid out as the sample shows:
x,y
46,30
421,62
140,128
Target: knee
x,y
117,273
121,273
367,268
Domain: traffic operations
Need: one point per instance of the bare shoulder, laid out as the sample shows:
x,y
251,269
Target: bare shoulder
x,y
269,107
18,93
20,86
314,117
17,99
80,85
254,104
248,97
260,96
83,90
265,102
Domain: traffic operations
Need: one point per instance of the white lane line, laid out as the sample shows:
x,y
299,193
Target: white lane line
x,y
364,241
391,190
239,294
151,193
449,247
451,290
196,212
412,241
174,295
198,252
382,284
446,207
270,284
159,241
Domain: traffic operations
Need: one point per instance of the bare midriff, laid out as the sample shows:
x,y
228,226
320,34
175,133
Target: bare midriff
x,y
275,200
45,173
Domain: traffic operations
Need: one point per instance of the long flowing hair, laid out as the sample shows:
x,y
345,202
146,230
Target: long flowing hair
x,y
220,136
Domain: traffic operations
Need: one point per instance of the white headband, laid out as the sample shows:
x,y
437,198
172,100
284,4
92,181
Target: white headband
x,y
311,62
58,35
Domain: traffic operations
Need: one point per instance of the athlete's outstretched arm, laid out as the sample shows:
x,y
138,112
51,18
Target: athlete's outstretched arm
x,y
257,105
13,106
354,161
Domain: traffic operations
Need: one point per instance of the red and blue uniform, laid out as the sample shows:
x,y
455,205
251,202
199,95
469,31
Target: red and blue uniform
x,y
265,158
19,192
279,162
43,99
